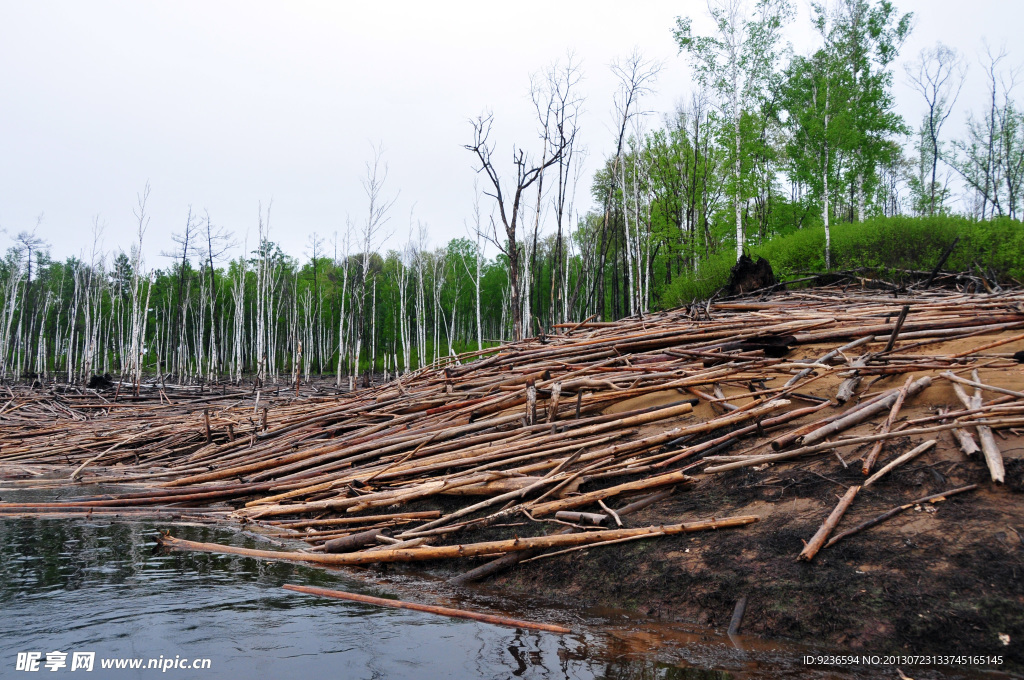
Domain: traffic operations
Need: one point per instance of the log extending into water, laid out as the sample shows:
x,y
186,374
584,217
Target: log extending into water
x,y
430,609
456,551
353,541
737,615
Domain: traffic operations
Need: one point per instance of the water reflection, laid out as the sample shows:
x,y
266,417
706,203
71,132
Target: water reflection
x,y
102,586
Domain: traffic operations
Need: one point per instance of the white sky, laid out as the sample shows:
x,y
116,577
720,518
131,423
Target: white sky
x,y
222,105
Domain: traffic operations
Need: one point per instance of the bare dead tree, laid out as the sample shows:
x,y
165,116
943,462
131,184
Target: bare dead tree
x,y
989,158
938,74
509,205
370,237
477,234
140,313
186,247
564,105
636,75
218,242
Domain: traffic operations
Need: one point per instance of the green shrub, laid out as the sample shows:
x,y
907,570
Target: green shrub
x,y
890,244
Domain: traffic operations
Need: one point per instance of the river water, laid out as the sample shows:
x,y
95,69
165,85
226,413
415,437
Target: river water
x,y
102,586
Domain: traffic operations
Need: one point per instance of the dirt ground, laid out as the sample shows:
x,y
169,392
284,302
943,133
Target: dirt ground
x,y
941,578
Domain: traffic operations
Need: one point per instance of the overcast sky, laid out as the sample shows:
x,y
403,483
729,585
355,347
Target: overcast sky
x,y
222,105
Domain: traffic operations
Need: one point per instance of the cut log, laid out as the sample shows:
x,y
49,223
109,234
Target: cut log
x,y
353,541
592,497
737,615
977,384
966,442
849,386
909,455
818,540
934,498
876,448
430,609
591,518
456,551
989,448
511,559
863,414
896,331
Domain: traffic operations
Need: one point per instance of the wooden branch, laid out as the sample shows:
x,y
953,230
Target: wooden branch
x,y
869,459
430,609
818,540
456,551
913,453
934,498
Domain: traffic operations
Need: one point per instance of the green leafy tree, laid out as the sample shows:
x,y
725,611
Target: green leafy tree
x,y
737,63
866,37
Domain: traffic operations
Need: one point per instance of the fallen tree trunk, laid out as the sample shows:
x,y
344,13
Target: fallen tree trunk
x,y
456,551
430,609
898,509
553,507
818,540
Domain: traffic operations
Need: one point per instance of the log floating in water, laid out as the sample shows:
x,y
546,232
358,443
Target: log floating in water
x,y
458,551
430,609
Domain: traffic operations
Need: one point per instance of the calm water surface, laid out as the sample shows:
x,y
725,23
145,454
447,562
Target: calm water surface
x,y
100,585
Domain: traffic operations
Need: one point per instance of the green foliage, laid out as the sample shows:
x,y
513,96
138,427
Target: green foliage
x,y
888,244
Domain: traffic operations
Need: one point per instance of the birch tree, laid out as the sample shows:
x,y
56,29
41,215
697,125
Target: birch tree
x,y
371,235
736,62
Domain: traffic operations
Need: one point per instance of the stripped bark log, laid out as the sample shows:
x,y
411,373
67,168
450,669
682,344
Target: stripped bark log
x,y
818,540
909,455
989,448
861,415
430,609
456,551
876,448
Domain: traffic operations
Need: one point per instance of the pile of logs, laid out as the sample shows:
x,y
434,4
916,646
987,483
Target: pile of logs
x,y
533,443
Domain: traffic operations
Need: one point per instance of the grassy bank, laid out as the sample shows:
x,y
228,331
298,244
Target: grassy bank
x,y
879,243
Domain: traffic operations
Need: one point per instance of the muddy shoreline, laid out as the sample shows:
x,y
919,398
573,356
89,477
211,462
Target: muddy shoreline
x,y
621,413
939,579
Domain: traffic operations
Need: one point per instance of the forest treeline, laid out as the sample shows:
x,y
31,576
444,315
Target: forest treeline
x,y
765,146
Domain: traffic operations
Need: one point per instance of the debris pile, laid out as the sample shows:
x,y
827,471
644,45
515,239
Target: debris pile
x,y
546,446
